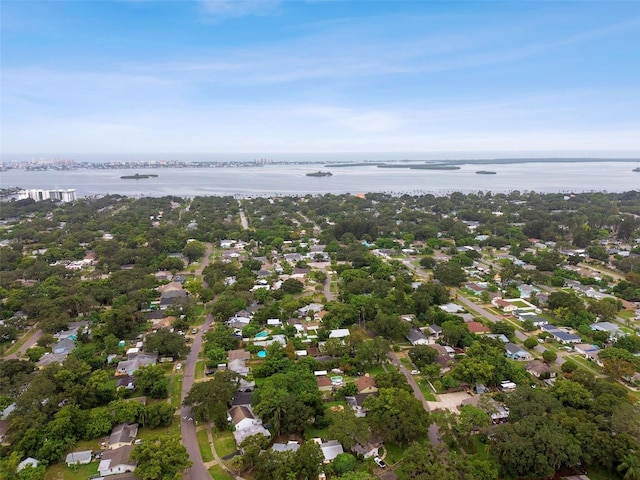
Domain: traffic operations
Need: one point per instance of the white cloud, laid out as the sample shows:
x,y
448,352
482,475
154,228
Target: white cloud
x,y
238,8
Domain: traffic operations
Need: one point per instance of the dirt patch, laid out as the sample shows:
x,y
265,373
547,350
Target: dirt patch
x,y
449,401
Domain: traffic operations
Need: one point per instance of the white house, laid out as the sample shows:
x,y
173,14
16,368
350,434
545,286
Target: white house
x,y
78,458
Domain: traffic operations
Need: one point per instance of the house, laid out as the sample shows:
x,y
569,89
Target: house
x,y
324,384
435,330
356,402
126,381
367,450
330,449
451,308
311,308
478,328
239,354
515,352
417,337
532,317
366,384
410,317
238,366
173,297
612,329
129,367
117,461
498,336
339,333
527,291
49,358
590,352
274,322
245,423
242,398
565,337
475,288
122,434
29,461
290,446
539,369
78,458
504,305
64,346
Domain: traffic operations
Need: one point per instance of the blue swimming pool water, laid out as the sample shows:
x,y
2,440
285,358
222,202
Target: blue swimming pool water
x,y
262,334
262,353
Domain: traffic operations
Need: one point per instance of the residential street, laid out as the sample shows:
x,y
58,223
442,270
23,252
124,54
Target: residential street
x,y
198,471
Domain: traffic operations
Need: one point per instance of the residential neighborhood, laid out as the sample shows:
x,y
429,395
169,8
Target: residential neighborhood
x,y
294,351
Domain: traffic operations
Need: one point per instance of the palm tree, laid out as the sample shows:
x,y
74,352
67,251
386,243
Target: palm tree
x,y
630,463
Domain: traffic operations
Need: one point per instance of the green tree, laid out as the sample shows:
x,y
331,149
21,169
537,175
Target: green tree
x,y
450,273
549,356
396,416
292,286
151,380
161,458
194,250
530,343
167,343
344,463
630,466
423,355
209,400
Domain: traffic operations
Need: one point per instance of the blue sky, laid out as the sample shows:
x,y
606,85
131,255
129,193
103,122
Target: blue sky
x,y
458,78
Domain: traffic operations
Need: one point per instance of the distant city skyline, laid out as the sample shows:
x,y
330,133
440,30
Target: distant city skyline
x,y
453,79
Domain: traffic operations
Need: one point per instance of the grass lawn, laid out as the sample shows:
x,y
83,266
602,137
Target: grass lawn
x,y
482,449
203,444
200,365
60,471
426,391
599,473
146,433
224,442
176,390
373,371
394,453
218,473
312,432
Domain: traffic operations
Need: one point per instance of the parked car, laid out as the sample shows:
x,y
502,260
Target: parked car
x,y
415,372
380,462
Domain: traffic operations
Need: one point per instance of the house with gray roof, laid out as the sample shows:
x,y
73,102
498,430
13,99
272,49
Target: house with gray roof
x,y
78,458
122,434
117,461
417,337
65,345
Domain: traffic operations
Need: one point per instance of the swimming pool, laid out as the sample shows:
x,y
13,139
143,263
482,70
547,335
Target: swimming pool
x,y
262,334
262,353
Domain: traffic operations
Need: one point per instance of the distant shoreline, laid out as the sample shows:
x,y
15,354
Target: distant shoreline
x,y
43,165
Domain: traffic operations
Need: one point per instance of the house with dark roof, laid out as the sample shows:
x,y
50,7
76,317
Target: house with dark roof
x,y
417,337
356,402
117,461
516,352
129,367
245,423
122,434
538,369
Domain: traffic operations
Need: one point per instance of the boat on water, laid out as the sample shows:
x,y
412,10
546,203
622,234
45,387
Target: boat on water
x,y
486,172
137,176
636,169
319,174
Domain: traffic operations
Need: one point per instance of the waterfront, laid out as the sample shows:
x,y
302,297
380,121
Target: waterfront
x,y
292,180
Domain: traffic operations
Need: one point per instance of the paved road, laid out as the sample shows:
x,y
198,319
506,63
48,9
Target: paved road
x,y
327,287
243,217
187,425
434,436
198,471
28,344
